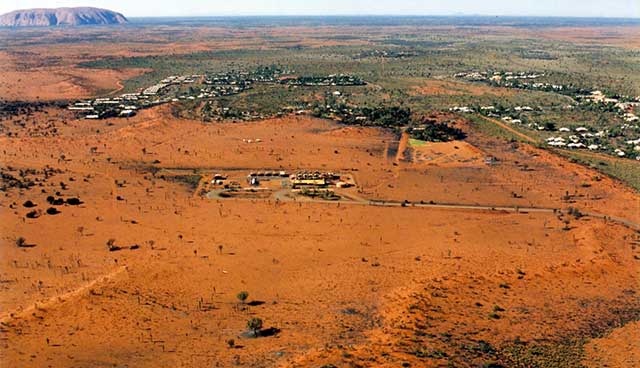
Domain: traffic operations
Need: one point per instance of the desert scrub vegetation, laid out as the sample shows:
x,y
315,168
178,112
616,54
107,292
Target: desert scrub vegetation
x,y
242,296
190,181
567,354
627,171
433,131
20,242
491,129
255,326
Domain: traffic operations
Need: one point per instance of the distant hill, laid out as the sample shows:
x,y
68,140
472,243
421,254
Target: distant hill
x,y
61,17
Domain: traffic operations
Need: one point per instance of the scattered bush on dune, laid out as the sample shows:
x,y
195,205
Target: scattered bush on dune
x,y
255,325
242,296
52,211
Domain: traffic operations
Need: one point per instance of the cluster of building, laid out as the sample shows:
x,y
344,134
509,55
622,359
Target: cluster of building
x,y
171,89
221,90
254,178
463,109
489,110
497,76
306,178
521,80
330,80
171,80
244,79
262,184
276,75
317,179
581,139
128,104
585,138
123,106
624,105
389,54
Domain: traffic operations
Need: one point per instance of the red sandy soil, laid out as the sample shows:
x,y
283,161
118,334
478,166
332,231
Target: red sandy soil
x,y
447,154
61,83
51,75
620,349
441,87
350,285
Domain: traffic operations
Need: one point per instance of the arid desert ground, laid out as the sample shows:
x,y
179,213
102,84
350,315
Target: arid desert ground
x,y
490,250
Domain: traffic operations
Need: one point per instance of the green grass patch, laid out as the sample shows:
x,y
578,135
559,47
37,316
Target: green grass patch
x,y
416,142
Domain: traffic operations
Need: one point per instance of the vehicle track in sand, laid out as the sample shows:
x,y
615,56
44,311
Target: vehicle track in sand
x,y
448,206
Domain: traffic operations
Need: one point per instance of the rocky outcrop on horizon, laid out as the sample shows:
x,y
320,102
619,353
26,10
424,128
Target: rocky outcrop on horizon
x,y
61,17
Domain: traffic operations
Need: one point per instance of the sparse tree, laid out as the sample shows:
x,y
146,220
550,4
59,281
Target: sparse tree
x,y
255,325
242,296
111,244
20,242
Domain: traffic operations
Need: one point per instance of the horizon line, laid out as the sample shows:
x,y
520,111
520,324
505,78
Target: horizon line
x,y
354,15
382,15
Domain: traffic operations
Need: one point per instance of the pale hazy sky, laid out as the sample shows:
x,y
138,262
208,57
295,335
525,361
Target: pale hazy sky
x,y
137,8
